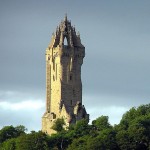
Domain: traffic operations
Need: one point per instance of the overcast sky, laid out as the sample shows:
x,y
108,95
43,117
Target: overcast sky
x,y
115,72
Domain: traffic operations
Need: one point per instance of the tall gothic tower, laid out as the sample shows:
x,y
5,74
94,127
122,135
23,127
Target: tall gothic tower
x,y
64,57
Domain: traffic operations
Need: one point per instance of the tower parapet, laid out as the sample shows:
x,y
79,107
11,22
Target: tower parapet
x,y
64,58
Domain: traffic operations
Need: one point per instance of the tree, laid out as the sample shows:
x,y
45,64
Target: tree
x,y
8,145
9,132
59,125
95,143
32,141
79,143
60,140
81,128
108,137
123,140
21,129
101,123
134,127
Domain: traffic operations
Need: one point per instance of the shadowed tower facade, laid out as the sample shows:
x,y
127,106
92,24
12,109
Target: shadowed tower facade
x,y
64,58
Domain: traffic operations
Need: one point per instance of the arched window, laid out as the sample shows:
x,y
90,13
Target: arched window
x,y
65,41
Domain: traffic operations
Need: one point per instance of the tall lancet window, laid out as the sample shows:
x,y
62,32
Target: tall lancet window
x,y
65,41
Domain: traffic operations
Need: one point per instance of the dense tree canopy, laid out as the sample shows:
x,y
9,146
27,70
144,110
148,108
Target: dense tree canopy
x,y
9,132
133,132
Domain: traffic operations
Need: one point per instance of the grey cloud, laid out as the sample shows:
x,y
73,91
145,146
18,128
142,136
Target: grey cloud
x,y
29,118
21,95
116,36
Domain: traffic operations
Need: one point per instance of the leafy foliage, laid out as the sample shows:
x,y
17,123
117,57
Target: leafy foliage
x,y
59,125
9,132
101,123
134,128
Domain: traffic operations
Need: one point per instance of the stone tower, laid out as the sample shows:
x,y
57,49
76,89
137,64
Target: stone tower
x,y
64,57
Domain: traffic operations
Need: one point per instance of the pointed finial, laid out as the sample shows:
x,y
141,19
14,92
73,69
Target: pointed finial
x,y
65,17
78,34
57,29
74,28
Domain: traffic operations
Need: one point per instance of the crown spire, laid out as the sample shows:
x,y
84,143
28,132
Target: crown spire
x,y
66,30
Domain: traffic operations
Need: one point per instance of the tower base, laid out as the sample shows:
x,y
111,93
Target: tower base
x,y
49,118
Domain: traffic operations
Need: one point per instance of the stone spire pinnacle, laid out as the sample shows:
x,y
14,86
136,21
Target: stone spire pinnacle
x,y
65,17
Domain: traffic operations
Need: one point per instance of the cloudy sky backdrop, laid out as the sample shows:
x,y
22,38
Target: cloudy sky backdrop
x,y
115,72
